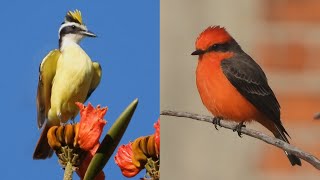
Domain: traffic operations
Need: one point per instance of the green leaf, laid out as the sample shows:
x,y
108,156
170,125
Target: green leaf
x,y
110,142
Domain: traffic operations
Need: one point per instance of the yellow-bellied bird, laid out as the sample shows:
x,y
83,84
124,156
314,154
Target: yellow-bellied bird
x,y
67,75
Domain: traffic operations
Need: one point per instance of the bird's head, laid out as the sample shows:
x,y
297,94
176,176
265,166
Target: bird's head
x,y
73,29
214,39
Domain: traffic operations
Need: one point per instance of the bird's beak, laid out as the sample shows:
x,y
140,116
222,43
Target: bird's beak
x,y
88,33
198,52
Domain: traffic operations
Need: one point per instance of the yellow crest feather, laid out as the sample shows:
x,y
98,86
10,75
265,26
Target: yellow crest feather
x,y
74,16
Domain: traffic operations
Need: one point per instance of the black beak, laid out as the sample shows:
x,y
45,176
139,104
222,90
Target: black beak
x,y
198,52
88,33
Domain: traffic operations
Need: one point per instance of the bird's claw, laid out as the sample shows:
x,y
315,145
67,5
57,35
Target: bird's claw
x,y
238,128
59,115
216,122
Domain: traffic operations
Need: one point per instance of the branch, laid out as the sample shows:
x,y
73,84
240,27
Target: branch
x,y
253,133
68,171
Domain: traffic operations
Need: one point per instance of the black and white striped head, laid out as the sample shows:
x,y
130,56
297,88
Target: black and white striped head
x,y
73,29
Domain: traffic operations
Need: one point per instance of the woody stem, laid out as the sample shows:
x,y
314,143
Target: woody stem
x,y
68,171
152,168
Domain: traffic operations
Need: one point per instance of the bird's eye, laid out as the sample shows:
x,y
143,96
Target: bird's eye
x,y
219,47
213,47
73,27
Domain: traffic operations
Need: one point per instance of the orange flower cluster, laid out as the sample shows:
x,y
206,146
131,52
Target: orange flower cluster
x,y
59,136
125,162
81,140
91,125
132,157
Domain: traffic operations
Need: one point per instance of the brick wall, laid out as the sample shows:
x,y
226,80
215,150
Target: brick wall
x,y
289,49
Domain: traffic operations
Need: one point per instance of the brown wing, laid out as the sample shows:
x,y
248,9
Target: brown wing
x,y
95,79
47,71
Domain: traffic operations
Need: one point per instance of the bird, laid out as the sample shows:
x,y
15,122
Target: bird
x,y
232,86
66,75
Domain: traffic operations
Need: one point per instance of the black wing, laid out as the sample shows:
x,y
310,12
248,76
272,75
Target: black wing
x,y
249,79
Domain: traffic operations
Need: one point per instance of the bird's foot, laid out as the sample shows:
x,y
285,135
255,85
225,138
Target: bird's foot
x,y
59,115
238,128
216,121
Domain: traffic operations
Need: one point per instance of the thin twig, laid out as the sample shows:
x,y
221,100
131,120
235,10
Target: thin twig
x,y
253,133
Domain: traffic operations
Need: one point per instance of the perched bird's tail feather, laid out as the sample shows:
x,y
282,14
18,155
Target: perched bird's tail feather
x,y
43,150
294,160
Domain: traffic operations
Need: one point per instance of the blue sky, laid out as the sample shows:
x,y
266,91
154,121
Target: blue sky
x,y
127,48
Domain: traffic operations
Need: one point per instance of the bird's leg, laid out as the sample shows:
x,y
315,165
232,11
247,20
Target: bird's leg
x,y
239,127
60,118
216,121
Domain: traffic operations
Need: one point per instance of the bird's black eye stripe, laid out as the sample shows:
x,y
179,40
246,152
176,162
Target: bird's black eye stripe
x,y
69,29
219,47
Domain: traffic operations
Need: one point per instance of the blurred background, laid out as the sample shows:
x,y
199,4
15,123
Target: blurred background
x,y
284,38
29,30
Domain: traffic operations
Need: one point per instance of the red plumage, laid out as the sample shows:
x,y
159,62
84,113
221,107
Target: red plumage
x,y
233,86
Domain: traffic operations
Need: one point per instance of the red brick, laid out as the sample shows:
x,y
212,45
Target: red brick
x,y
289,56
274,159
293,10
299,108
314,57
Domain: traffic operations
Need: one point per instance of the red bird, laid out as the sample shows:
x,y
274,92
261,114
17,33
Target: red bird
x,y
233,86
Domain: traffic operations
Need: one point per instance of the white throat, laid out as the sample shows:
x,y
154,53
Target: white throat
x,y
70,40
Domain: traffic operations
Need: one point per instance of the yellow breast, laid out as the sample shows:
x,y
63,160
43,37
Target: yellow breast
x,y
71,83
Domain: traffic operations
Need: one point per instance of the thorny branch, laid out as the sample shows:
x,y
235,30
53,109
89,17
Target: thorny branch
x,y
253,133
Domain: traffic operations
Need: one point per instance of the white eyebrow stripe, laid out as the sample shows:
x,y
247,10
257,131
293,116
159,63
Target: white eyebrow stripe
x,y
70,24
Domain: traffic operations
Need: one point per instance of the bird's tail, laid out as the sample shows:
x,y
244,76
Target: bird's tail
x,y
281,134
43,150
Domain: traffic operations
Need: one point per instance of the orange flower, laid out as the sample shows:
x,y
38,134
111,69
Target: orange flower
x,y
157,134
123,159
85,163
91,125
